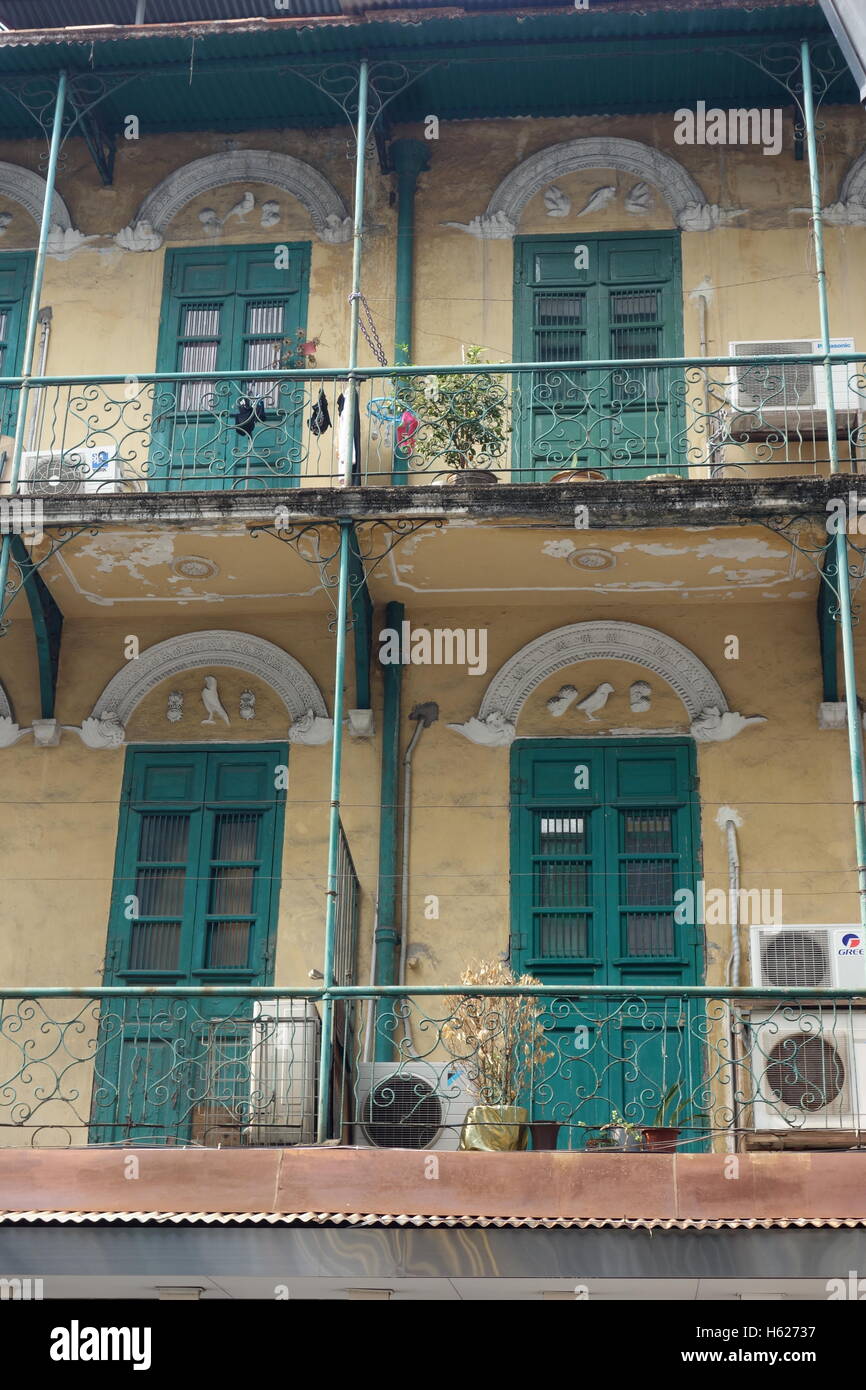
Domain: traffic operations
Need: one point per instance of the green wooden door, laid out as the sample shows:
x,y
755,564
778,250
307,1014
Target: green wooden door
x,y
604,833
579,299
229,309
195,903
16,274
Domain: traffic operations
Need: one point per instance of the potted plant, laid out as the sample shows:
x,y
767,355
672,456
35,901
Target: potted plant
x,y
461,422
576,474
618,1135
662,1133
500,1041
298,352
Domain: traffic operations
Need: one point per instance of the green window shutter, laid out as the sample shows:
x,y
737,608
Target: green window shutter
x,y
624,303
230,309
16,275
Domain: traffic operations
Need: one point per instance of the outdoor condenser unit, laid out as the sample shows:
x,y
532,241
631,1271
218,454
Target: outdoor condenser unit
x,y
806,1068
284,1068
810,956
66,472
411,1104
777,393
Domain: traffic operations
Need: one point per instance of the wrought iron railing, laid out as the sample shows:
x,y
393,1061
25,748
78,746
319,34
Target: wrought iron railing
x,y
238,1066
636,419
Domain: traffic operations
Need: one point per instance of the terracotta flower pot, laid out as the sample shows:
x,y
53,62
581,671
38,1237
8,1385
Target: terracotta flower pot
x,y
579,475
471,476
659,1139
495,1128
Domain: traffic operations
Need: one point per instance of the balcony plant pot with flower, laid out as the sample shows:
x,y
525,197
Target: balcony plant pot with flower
x,y
662,1133
462,423
500,1044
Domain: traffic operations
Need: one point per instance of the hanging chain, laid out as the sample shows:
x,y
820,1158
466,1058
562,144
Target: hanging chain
x,y
374,342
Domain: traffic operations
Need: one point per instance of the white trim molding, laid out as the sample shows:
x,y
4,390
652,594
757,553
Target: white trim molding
x,y
27,189
683,195
192,651
710,719
329,214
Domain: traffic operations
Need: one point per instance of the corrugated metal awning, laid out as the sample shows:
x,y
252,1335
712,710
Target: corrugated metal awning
x,y
361,1219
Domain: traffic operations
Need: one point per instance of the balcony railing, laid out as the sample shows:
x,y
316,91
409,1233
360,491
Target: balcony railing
x,y
743,416
238,1066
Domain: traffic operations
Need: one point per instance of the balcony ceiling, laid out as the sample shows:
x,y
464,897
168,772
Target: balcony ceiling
x,y
236,75
141,569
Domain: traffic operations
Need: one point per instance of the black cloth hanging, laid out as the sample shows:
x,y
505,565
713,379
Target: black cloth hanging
x,y
320,420
249,414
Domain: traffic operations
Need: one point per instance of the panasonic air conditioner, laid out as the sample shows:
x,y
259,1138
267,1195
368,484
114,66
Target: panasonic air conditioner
x,y
806,1068
411,1104
779,394
819,957
284,1068
66,472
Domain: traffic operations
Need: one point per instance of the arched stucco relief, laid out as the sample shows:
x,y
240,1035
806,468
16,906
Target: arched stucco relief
x,y
5,707
849,210
327,210
27,189
681,192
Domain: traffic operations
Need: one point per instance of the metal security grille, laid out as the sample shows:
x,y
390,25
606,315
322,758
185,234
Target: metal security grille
x,y
647,881
234,868
562,874
199,346
160,886
264,330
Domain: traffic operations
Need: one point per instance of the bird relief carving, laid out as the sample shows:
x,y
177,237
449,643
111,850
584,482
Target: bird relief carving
x,y
212,702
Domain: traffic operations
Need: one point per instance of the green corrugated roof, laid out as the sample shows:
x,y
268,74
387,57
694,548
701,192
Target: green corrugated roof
x,y
238,76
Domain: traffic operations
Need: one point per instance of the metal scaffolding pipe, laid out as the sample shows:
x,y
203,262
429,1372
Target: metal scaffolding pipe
x,y
357,253
855,739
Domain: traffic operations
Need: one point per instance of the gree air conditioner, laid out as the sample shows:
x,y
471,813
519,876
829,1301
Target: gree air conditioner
x,y
66,472
410,1104
284,1068
793,395
818,957
805,1068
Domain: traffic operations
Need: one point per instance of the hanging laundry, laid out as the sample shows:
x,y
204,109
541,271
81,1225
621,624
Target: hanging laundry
x,y
249,414
320,419
407,428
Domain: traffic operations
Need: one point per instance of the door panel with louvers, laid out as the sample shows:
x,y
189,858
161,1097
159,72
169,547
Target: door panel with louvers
x,y
16,270
624,306
229,309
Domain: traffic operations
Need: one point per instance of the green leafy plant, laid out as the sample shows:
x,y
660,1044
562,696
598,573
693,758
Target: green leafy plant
x,y
668,1115
463,419
616,1121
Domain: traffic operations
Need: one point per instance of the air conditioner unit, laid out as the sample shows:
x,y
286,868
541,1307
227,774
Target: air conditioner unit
x,y
810,956
806,1068
776,393
284,1069
411,1104
65,472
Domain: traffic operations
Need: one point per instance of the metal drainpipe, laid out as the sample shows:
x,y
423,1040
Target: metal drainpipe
x,y
425,715
733,972
357,251
387,936
45,317
410,158
855,743
33,316
333,838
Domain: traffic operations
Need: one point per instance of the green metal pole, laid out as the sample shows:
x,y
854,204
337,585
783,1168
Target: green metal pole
x,y
387,935
357,252
855,739
333,837
410,158
33,315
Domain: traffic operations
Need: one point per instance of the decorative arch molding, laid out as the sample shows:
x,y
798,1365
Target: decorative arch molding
x,y
327,210
195,651
5,706
681,192
850,208
28,190
495,724
684,672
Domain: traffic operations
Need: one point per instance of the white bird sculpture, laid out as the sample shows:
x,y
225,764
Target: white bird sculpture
x,y
494,731
246,204
598,200
596,701
212,702
559,703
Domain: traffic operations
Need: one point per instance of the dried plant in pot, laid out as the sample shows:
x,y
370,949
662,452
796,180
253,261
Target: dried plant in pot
x,y
458,423
501,1043
661,1134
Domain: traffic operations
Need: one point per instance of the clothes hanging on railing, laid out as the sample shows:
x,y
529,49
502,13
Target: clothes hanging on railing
x,y
320,419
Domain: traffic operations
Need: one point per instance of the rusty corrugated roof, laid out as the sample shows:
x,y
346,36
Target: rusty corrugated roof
x,y
361,1219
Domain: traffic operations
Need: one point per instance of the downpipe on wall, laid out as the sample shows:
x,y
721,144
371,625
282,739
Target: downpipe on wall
x,y
424,715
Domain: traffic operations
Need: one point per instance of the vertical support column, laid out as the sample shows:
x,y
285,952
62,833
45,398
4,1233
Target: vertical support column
x,y
855,740
357,252
410,158
326,1059
387,936
33,316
